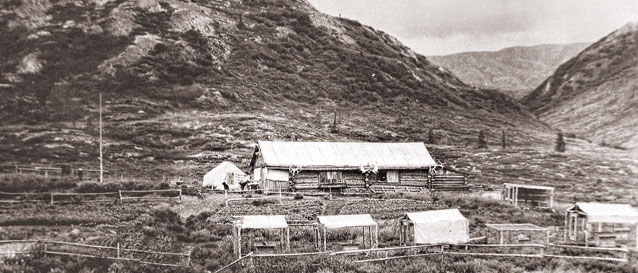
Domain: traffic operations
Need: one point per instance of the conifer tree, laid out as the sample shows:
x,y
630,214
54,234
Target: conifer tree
x,y
503,140
560,143
481,140
431,139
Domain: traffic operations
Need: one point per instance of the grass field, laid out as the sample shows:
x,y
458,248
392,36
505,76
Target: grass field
x,y
203,227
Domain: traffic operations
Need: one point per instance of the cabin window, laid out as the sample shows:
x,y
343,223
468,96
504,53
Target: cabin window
x,y
382,176
393,176
330,177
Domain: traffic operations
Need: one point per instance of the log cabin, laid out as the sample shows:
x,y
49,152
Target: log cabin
x,y
336,166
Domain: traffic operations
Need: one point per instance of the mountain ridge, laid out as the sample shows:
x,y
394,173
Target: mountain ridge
x,y
184,77
514,70
595,94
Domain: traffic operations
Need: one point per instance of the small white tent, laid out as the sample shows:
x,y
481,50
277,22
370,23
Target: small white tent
x,y
216,177
446,226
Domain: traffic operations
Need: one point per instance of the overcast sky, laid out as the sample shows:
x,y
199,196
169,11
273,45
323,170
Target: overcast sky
x,y
436,27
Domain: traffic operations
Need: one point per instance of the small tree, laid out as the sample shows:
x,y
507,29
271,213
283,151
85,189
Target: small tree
x,y
481,140
333,126
560,143
431,139
503,140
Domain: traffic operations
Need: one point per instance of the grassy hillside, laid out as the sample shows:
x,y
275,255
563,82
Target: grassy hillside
x,y
514,70
593,95
190,79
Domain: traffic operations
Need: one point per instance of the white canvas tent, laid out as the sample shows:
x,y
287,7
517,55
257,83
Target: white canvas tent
x,y
276,222
350,221
447,226
216,177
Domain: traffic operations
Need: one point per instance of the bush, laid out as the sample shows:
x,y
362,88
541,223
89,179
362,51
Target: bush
x,y
262,202
32,183
298,196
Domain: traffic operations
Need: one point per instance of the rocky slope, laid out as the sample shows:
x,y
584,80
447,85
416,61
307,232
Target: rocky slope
x,y
514,70
595,94
197,79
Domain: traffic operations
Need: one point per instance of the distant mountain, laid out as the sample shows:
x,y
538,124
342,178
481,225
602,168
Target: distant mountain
x,y
182,77
595,94
514,70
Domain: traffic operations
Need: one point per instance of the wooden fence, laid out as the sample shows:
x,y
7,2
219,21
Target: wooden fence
x,y
538,251
49,247
73,197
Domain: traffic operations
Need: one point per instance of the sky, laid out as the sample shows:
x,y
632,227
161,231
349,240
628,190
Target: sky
x,y
440,27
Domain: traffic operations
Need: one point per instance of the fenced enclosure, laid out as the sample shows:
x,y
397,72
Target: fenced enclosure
x,y
48,247
119,196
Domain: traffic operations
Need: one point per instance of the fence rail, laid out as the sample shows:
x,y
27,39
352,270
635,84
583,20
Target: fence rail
x,y
383,252
119,196
46,246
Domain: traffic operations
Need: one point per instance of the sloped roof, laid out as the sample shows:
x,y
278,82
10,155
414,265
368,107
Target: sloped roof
x,y
431,216
262,221
341,221
536,187
345,155
607,213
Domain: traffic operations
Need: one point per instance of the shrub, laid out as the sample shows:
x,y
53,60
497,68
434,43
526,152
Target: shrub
x,y
32,183
261,202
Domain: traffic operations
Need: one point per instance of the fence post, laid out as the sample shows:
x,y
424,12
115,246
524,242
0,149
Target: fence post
x,y
118,250
180,196
51,197
119,196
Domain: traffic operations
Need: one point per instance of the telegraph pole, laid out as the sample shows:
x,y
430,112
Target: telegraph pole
x,y
101,161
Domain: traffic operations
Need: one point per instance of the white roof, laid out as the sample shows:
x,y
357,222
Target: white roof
x,y
345,155
607,213
262,221
435,215
352,220
536,187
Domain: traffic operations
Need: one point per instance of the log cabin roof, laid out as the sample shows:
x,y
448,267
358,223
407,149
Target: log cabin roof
x,y
344,155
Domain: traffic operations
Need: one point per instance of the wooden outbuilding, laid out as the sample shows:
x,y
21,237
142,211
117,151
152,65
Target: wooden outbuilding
x,y
602,224
528,196
334,166
268,222
364,221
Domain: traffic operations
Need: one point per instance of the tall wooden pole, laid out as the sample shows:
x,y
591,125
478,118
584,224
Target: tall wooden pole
x,y
101,160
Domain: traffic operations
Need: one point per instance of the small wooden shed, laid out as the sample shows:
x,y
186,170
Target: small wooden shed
x,y
272,222
528,196
446,226
363,221
602,224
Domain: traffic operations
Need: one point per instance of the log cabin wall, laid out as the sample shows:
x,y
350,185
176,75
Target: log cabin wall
x,y
415,178
309,180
